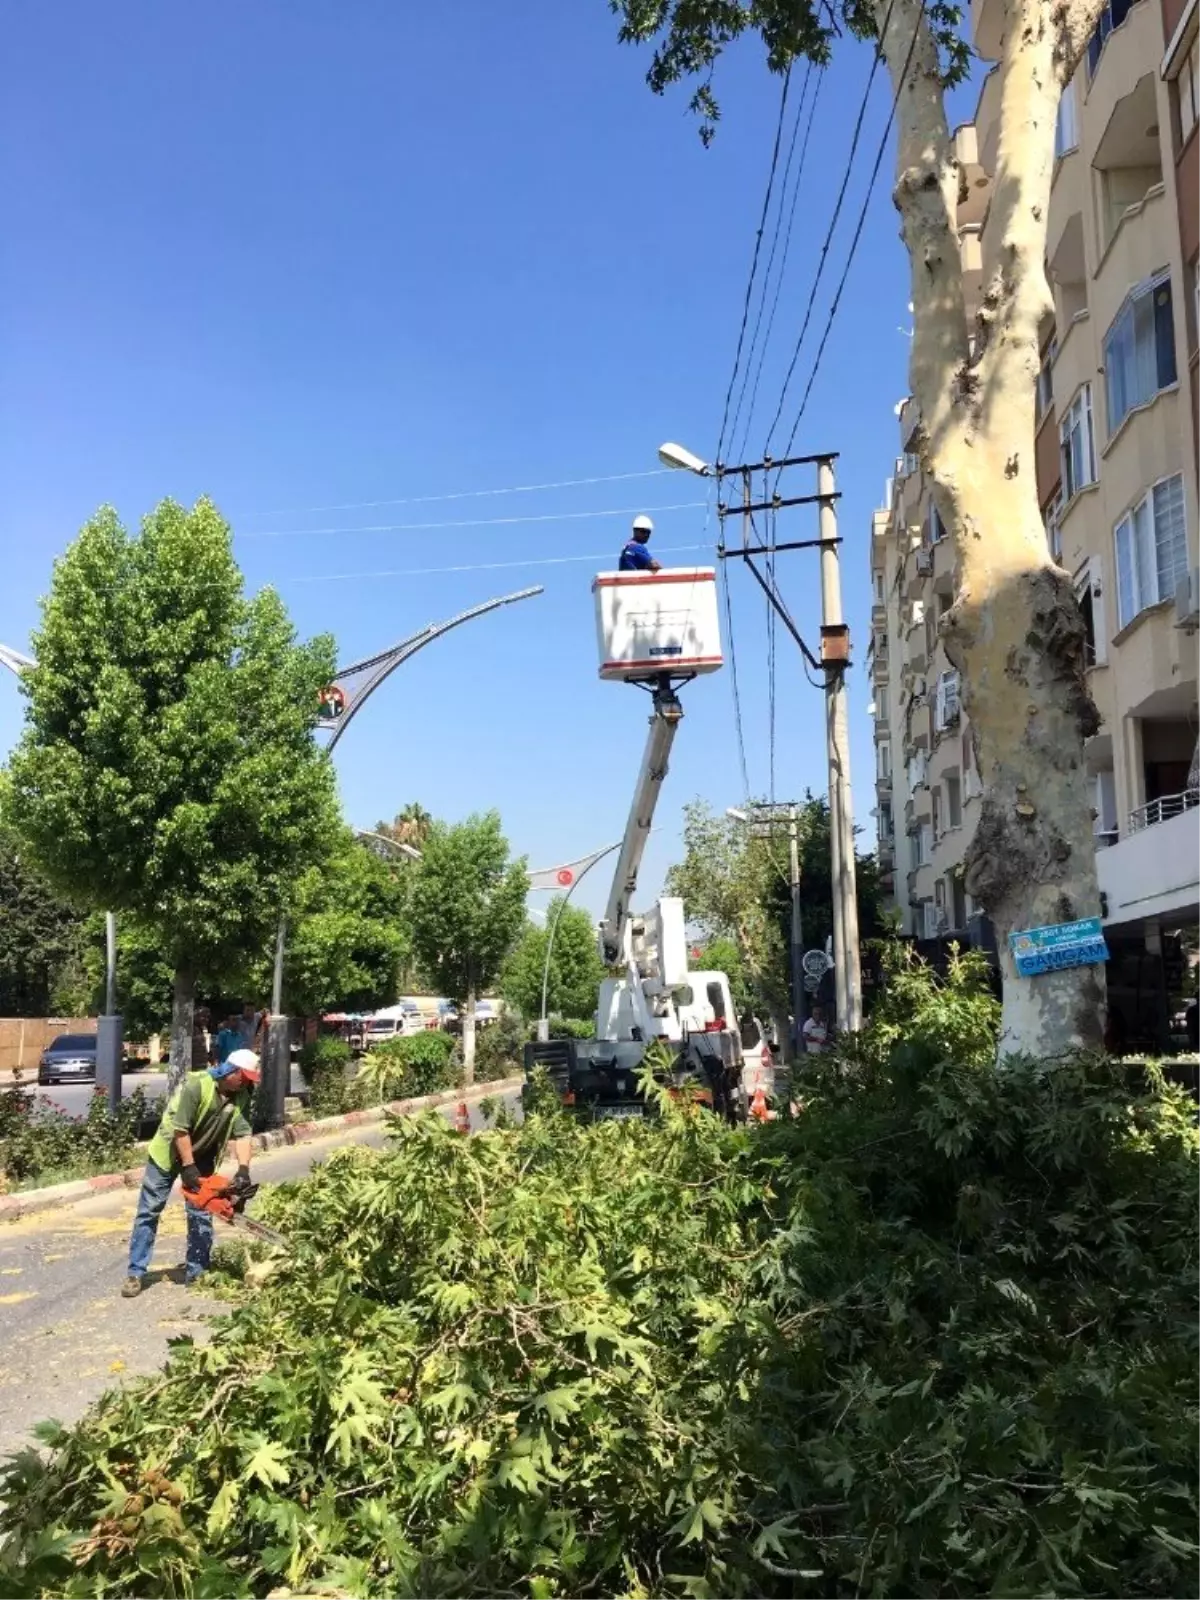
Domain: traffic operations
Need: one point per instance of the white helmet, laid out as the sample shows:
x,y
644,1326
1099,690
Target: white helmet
x,y
642,525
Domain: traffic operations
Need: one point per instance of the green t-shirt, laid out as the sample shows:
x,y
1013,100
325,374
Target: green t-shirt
x,y
206,1116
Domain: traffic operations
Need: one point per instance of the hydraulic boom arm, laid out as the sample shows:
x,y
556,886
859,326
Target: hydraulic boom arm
x,y
663,724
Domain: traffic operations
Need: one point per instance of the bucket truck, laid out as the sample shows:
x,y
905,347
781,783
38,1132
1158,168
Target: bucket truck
x,y
657,631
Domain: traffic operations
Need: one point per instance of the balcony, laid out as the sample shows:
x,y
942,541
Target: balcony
x,y
1163,809
1153,871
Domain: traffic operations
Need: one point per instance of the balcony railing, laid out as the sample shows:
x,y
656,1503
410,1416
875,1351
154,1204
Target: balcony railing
x,y
1163,809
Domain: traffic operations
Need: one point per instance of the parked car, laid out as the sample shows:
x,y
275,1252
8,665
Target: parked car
x,y
71,1058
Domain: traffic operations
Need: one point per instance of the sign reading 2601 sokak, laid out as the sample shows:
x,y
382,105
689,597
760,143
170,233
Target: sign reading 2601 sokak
x,y
1065,944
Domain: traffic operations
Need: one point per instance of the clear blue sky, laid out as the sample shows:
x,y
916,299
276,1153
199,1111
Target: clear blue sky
x,y
300,255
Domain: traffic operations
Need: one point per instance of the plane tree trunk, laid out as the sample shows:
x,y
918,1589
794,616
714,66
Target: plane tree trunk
x,y
1014,631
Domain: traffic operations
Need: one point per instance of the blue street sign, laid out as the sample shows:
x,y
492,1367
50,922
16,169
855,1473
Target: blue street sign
x,y
1066,944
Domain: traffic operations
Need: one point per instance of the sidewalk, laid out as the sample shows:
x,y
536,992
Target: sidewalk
x,y
24,1202
68,1335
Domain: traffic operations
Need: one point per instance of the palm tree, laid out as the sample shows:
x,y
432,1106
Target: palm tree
x,y
410,826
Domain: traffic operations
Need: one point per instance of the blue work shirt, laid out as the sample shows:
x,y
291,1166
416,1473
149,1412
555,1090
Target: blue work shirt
x,y
635,557
228,1040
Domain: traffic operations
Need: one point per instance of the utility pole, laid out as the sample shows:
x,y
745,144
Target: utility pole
x,y
831,665
764,820
797,942
835,657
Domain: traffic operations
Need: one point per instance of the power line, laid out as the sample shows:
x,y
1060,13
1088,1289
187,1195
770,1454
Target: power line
x,y
765,284
470,566
471,522
862,217
461,494
762,223
733,678
837,211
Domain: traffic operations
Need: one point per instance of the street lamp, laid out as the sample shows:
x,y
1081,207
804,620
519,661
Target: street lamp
x,y
681,460
738,816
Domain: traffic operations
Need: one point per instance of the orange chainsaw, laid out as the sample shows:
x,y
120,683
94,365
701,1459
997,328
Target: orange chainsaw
x,y
223,1198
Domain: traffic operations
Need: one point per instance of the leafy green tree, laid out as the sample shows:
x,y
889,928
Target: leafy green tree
x,y
348,935
726,881
466,907
736,886
41,938
576,969
167,768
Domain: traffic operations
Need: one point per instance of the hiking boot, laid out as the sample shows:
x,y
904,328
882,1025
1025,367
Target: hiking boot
x,y
132,1287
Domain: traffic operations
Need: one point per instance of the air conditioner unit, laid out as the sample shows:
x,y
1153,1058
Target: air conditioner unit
x,y
1187,601
918,688
925,561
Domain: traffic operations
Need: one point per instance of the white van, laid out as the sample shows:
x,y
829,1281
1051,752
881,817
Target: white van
x,y
393,1022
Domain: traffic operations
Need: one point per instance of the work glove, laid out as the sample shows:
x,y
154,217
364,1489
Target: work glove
x,y
241,1178
190,1177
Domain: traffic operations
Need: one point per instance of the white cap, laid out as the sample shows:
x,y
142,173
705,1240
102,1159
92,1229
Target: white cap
x,y
642,525
244,1061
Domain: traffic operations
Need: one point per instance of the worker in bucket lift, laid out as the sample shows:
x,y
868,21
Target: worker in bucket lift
x,y
635,557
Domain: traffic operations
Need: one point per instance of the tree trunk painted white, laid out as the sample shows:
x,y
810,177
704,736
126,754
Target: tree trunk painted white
x,y
183,1017
468,1036
1014,631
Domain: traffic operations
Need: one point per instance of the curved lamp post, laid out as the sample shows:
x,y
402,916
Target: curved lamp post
x,y
543,1021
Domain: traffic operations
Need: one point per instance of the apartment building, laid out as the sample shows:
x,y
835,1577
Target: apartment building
x,y
1116,457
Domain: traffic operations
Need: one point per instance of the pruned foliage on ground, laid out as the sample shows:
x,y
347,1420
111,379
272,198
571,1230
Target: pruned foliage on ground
x,y
935,1337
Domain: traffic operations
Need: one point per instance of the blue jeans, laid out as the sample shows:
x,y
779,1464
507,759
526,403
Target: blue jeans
x,y
155,1192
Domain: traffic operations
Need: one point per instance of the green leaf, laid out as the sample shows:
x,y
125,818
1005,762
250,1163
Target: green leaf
x,y
268,1463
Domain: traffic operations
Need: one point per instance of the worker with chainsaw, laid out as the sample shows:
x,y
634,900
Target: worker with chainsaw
x,y
208,1110
635,557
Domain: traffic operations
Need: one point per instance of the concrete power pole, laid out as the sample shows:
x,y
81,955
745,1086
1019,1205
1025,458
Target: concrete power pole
x,y
834,655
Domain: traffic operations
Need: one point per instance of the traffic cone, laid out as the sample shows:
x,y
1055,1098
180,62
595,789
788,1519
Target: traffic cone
x,y
758,1106
462,1118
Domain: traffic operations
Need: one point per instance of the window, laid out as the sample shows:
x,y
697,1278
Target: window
x,y
1044,394
881,704
924,844
1077,449
1052,517
953,801
929,919
946,708
1066,128
917,770
935,528
1139,351
1151,545
877,582
886,826
909,463
937,812
1188,91
883,760
1111,17
1089,591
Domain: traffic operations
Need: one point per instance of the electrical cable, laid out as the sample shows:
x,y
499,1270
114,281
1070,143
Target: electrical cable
x,y
471,566
461,494
739,449
837,211
766,206
862,217
733,678
471,522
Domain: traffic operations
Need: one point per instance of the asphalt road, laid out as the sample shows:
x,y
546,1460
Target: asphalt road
x,y
76,1097
67,1334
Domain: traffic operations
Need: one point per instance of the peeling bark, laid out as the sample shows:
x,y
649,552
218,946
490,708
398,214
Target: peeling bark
x,y
1014,631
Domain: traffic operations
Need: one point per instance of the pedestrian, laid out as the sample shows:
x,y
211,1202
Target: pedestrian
x,y
816,1032
252,1027
635,557
229,1038
205,1112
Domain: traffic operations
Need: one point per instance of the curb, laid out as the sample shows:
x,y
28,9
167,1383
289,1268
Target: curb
x,y
54,1196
